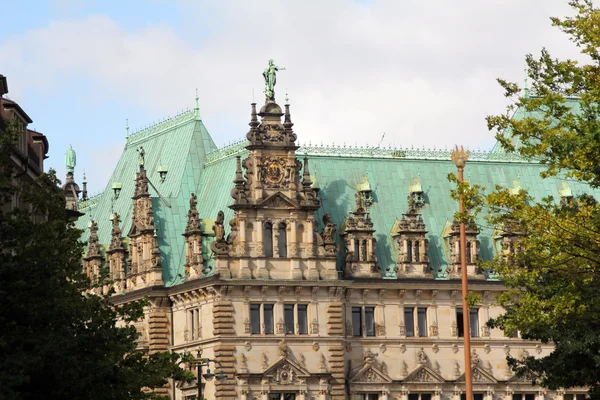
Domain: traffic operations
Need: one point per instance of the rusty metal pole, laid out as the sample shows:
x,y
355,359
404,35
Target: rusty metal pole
x,y
460,157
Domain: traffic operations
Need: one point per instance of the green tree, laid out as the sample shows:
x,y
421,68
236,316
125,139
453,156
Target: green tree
x,y
553,277
58,341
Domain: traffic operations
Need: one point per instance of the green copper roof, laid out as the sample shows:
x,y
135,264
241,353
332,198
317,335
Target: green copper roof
x,y
195,165
390,180
181,144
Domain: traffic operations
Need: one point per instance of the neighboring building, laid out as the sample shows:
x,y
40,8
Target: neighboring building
x,y
308,272
31,148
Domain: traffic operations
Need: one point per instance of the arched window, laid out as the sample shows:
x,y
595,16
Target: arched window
x,y
363,251
268,239
282,240
417,251
356,249
409,250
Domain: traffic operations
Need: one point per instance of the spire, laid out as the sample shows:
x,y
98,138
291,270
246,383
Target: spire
x,y
287,123
197,109
84,195
525,88
306,181
126,127
239,193
253,119
239,178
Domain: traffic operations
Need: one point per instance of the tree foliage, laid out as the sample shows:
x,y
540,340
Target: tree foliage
x,y
58,341
553,276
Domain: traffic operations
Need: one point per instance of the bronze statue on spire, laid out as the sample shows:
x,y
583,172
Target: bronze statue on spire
x,y
270,75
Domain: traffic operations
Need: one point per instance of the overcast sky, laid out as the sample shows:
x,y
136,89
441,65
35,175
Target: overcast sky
x,y
423,72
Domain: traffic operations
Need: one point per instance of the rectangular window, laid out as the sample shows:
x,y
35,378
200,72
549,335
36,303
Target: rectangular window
x,y
474,322
255,318
409,322
572,396
367,396
419,396
288,318
302,319
370,321
523,396
356,321
422,321
476,396
268,319
282,396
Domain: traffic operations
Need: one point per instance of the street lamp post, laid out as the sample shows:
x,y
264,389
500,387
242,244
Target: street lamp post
x,y
208,376
460,157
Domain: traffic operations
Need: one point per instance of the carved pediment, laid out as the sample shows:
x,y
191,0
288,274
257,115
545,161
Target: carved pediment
x,y
369,373
479,376
424,374
525,378
278,200
286,372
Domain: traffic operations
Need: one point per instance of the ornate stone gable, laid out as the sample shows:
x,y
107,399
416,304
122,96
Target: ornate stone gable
x,y
286,372
424,374
480,376
410,234
526,378
279,200
371,371
471,232
357,232
273,230
145,267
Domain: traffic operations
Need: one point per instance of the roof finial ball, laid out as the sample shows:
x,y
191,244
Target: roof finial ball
x,y
270,75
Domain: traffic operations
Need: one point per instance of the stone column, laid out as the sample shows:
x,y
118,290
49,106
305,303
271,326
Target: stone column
x,y
260,250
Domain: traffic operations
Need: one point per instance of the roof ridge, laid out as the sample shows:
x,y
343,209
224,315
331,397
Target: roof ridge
x,y
411,153
167,123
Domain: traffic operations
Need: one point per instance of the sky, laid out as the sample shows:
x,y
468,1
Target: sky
x,y
422,72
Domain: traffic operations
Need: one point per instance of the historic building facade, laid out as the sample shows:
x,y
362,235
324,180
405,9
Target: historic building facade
x,y
31,147
309,273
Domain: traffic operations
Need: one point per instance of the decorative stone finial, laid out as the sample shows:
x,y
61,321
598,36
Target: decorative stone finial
x,y
70,159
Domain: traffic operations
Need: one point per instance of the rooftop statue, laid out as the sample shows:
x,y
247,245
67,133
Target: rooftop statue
x,y
70,159
270,75
141,156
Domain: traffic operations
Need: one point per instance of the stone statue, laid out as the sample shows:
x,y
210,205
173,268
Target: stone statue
x,y
70,159
422,357
270,75
369,357
474,359
329,229
219,228
141,154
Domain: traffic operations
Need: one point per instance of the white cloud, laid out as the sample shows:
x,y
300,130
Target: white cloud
x,y
423,72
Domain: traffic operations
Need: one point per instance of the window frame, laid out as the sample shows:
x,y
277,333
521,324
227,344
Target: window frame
x,y
473,313
265,327
362,329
